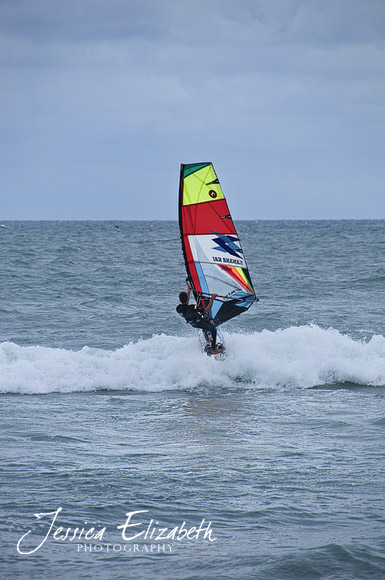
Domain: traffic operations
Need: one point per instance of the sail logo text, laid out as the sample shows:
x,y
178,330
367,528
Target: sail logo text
x,y
131,530
227,260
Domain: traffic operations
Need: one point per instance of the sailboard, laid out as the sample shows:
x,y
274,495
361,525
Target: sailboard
x,y
212,250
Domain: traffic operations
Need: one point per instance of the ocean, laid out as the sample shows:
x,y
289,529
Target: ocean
x,y
128,453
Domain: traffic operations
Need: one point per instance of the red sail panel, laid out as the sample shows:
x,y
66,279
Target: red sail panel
x,y
205,218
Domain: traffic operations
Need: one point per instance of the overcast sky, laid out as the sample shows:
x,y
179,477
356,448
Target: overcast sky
x,y
101,100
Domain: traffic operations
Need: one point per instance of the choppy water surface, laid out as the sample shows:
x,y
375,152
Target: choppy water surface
x,y
109,407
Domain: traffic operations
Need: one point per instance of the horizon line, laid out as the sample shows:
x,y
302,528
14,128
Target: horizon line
x,y
176,220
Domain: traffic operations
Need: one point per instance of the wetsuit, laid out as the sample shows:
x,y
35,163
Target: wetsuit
x,y
198,319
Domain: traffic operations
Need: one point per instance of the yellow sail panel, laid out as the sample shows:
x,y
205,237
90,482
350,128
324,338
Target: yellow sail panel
x,y
201,186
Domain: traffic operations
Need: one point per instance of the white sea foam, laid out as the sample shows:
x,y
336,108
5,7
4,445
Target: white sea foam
x,y
303,356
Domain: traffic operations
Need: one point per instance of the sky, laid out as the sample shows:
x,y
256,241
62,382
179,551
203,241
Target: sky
x,y
101,100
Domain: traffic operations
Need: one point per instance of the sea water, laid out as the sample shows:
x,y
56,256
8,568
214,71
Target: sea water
x,y
128,453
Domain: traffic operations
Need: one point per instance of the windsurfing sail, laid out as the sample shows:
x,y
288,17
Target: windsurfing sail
x,y
212,249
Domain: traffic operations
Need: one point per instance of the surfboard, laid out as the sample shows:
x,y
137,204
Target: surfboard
x,y
212,250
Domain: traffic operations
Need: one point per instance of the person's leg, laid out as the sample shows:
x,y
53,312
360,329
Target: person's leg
x,y
206,325
214,335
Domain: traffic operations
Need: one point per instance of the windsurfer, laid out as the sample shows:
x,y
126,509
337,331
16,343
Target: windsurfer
x,y
198,316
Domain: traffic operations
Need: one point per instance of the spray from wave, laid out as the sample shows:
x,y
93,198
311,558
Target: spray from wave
x,y
305,356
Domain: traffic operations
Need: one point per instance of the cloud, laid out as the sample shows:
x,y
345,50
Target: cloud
x,y
101,100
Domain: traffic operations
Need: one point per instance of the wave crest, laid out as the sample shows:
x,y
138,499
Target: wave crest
x,y
304,356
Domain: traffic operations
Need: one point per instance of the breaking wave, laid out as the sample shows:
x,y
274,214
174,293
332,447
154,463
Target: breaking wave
x,y
305,356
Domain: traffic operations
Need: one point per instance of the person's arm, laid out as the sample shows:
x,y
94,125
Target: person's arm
x,y
208,307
